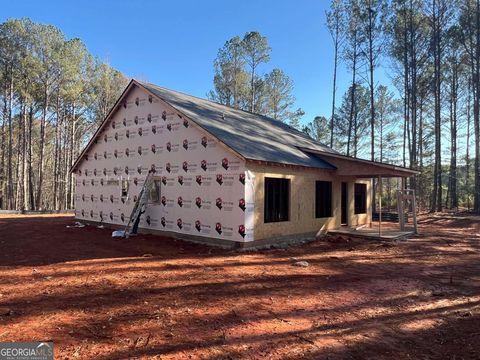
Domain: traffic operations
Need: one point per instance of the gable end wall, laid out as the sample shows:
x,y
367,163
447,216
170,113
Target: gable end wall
x,y
203,182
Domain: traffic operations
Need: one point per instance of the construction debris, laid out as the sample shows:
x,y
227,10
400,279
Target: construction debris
x,y
301,264
76,225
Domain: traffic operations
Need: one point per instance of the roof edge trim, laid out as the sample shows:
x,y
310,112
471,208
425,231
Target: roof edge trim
x,y
363,161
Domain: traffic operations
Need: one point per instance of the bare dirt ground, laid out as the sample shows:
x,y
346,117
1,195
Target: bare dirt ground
x,y
152,297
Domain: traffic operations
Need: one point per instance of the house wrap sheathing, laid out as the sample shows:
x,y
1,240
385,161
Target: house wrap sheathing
x,y
205,188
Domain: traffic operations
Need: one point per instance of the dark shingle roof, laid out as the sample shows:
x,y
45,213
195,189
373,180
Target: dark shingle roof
x,y
253,136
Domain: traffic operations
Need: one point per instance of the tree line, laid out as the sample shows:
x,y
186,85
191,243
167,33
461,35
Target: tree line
x,y
53,95
429,118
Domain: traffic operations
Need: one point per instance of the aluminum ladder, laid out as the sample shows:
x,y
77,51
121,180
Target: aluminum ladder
x,y
140,205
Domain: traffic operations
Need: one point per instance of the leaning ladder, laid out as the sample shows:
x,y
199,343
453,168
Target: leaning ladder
x,y
141,203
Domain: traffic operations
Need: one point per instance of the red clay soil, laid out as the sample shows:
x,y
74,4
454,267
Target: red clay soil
x,y
151,297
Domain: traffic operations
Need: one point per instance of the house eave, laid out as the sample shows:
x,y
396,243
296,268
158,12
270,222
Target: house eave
x,y
368,168
287,165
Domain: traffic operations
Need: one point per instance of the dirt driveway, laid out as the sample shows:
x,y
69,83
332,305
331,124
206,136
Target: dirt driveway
x,y
152,297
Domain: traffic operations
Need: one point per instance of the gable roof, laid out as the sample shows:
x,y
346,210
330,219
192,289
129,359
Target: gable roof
x,y
253,136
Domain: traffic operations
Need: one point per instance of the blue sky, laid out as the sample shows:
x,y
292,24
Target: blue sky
x,y
174,43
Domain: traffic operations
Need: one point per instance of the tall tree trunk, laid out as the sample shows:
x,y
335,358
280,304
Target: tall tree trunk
x,y
420,184
26,190
10,144
3,187
467,150
31,205
352,99
413,95
437,189
381,137
372,84
252,90
20,154
41,151
56,156
372,95
334,91
453,140
66,159
476,109
355,132
73,146
406,90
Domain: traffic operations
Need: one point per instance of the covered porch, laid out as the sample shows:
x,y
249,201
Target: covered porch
x,y
353,168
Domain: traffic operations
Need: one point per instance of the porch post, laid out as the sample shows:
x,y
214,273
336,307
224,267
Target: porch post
x,y
380,188
400,205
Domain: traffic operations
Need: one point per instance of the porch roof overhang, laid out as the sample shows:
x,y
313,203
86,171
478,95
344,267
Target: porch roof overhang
x,y
354,167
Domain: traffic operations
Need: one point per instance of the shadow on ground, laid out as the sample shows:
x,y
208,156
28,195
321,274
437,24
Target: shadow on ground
x,y
154,297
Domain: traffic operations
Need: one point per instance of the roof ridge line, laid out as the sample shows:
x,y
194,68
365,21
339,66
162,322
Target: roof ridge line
x,y
280,123
208,100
